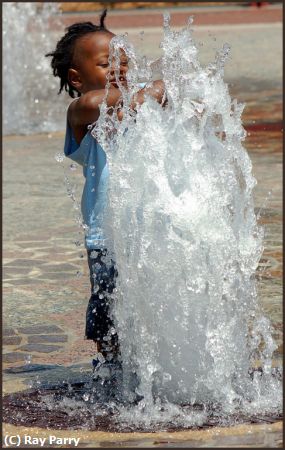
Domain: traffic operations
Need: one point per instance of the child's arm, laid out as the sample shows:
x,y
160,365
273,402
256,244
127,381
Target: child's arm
x,y
86,109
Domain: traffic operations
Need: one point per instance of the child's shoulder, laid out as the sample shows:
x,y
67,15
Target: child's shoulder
x,y
71,110
77,107
85,109
79,130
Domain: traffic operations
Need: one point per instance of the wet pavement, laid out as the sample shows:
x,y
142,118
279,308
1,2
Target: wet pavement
x,y
46,285
255,436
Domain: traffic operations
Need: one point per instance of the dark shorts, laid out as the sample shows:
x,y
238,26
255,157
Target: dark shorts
x,y
103,273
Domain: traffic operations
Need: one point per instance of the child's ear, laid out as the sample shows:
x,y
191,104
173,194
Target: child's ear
x,y
74,79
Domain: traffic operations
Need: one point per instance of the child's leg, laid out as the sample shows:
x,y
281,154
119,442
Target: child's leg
x,y
99,326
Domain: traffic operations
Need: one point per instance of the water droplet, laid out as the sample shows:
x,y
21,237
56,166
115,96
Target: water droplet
x,y
166,19
28,359
166,377
190,20
60,157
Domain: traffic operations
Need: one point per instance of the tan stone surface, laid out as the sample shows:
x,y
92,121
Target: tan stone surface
x,y
241,435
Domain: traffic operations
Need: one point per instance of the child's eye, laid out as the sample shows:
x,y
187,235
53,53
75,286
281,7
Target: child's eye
x,y
104,65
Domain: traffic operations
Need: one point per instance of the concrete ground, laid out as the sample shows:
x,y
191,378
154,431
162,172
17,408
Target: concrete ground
x,y
46,284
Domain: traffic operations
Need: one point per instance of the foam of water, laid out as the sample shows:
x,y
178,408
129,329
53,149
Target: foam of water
x,y
29,89
186,240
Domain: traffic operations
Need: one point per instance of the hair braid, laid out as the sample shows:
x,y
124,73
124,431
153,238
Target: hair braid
x,y
62,56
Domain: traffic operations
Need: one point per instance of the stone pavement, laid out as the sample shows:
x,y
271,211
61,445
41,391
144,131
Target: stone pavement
x,y
46,286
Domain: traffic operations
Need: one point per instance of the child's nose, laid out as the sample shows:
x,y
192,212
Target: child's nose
x,y
115,66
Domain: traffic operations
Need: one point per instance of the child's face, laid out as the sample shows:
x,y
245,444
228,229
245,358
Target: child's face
x,y
91,66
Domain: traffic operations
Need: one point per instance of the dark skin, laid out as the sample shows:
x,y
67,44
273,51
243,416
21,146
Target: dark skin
x,y
88,76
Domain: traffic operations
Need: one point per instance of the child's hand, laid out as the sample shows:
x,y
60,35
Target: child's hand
x,y
157,91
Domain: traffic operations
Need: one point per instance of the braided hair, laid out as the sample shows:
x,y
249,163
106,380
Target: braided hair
x,y
62,56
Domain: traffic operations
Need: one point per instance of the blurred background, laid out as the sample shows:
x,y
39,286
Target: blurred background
x,y
95,6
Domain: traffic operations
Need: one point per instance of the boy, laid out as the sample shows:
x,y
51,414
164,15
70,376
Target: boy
x,y
80,60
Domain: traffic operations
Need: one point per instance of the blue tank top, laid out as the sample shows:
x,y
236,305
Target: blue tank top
x,y
90,155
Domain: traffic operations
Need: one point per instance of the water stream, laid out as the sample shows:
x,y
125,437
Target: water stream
x,y
186,240
28,87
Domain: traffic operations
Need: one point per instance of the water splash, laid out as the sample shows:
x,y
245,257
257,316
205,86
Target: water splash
x,y
186,240
28,87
